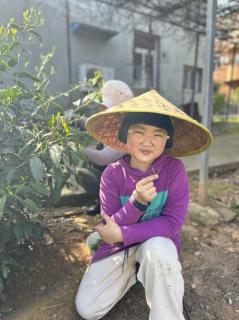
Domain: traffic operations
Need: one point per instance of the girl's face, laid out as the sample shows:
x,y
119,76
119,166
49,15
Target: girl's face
x,y
145,143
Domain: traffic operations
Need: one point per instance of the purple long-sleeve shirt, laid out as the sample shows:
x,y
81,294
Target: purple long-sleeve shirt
x,y
165,214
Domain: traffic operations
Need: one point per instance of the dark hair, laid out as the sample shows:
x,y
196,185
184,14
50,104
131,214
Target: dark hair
x,y
152,119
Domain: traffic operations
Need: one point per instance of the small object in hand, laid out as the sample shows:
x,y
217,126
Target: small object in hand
x,y
96,245
94,241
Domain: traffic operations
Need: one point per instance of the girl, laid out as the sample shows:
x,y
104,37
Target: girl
x,y
144,199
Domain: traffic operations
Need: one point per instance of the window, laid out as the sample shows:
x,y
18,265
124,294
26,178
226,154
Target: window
x,y
237,58
190,73
224,60
86,71
217,61
145,71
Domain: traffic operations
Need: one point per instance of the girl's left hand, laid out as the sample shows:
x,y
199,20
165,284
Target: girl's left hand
x,y
110,232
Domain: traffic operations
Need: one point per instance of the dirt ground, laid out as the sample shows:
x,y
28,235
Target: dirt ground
x,y
44,289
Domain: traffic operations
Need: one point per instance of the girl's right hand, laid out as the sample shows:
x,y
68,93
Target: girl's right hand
x,y
145,190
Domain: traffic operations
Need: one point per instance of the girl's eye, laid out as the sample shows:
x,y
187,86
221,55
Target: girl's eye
x,y
138,132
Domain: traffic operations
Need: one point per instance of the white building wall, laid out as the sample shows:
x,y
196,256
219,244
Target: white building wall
x,y
53,34
115,52
177,51
119,52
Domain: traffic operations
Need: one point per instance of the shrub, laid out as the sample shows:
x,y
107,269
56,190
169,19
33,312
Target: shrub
x,y
219,103
35,137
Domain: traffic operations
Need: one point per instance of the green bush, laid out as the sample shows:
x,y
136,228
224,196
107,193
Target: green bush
x,y
219,103
35,138
235,96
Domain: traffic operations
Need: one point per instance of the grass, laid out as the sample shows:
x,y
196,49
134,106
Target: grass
x,y
222,119
222,127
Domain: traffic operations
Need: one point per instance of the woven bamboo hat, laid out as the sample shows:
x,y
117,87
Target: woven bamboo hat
x,y
190,137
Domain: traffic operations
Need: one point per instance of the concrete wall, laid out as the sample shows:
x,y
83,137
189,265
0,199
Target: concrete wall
x,y
119,53
96,48
53,34
115,52
176,51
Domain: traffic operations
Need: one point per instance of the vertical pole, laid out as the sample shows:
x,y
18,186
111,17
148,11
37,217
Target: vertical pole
x,y
149,70
231,80
192,103
208,92
68,42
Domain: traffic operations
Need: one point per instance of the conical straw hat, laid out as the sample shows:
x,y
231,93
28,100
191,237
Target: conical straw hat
x,y
190,137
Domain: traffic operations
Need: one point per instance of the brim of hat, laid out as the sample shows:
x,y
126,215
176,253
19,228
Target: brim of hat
x,y
190,137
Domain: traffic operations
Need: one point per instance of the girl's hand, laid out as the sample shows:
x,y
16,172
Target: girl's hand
x,y
110,232
145,190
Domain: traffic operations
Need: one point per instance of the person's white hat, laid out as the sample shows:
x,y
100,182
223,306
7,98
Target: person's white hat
x,y
115,92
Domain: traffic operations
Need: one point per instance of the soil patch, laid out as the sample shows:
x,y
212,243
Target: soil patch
x,y
45,288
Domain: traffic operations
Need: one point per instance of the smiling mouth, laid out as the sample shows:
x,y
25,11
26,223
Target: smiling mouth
x,y
145,151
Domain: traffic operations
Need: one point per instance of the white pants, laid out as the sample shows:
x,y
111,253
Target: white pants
x,y
105,282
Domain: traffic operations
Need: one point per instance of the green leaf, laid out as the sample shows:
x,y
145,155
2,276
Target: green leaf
x,y
26,75
57,184
55,154
89,98
12,62
17,26
5,271
29,204
7,150
28,230
11,174
6,308
75,158
52,121
65,126
19,83
18,231
2,205
21,187
11,92
3,66
40,188
57,116
1,286
36,35
37,168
